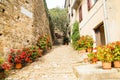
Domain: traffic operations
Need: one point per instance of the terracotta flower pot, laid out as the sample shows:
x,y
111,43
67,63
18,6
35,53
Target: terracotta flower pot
x,y
82,51
117,64
106,65
94,60
89,50
85,60
18,65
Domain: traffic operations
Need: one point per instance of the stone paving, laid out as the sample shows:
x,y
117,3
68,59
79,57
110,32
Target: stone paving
x,y
55,65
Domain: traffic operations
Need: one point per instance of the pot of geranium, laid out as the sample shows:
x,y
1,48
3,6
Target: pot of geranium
x,y
92,57
116,54
18,65
105,55
4,67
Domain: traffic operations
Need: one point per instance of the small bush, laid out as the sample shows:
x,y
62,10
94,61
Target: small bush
x,y
75,34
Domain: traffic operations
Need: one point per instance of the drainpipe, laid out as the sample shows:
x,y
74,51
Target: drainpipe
x,y
106,26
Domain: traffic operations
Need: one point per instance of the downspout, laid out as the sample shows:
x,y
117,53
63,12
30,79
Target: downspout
x,y
106,26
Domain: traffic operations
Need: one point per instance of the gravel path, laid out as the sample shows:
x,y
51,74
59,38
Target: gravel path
x,y
55,65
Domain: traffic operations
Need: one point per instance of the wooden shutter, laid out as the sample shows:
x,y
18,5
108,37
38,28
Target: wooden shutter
x,y
80,14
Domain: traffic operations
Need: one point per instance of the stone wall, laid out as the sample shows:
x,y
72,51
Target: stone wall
x,y
21,22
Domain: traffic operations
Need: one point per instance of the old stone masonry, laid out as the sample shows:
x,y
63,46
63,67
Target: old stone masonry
x,y
21,22
56,65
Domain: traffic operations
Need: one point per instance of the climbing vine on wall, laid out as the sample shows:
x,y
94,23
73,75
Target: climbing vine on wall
x,y
50,21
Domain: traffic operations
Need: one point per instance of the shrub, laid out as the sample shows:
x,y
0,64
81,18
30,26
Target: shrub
x,y
43,42
75,34
85,42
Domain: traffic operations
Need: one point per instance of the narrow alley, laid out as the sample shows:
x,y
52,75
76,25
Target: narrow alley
x,y
58,64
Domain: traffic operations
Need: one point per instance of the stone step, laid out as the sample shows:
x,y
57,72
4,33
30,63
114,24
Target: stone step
x,y
95,72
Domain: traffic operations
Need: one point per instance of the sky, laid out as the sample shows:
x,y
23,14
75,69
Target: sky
x,y
55,3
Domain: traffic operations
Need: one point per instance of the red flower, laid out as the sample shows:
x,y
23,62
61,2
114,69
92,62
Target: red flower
x,y
10,58
12,50
17,59
27,59
6,66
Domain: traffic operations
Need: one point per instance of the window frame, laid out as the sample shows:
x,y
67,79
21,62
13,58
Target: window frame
x,y
90,4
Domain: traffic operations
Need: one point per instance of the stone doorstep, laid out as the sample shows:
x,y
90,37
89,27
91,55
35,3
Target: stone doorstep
x,y
95,72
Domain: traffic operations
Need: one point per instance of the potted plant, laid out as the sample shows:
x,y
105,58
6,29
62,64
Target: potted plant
x,y
4,68
92,56
35,53
116,53
42,42
85,43
14,58
89,43
81,44
105,55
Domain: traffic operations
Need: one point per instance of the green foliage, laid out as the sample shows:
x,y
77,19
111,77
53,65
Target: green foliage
x,y
1,60
44,42
104,54
59,18
85,42
34,52
116,50
92,55
75,34
51,25
89,41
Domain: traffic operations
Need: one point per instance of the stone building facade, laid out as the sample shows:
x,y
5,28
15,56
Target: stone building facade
x,y
21,22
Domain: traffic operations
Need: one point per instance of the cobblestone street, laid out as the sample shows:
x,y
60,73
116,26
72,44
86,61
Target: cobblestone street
x,y
55,65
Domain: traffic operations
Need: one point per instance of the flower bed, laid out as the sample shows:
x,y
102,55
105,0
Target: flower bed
x,y
18,58
24,56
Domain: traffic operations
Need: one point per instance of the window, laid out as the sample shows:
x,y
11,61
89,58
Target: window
x,y
80,14
72,12
91,3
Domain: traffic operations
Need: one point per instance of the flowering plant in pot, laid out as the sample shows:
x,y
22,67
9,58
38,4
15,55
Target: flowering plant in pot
x,y
34,51
116,53
81,44
4,68
85,42
42,42
104,54
89,43
16,58
92,56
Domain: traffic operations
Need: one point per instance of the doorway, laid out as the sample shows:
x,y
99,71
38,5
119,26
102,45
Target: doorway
x,y
100,35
